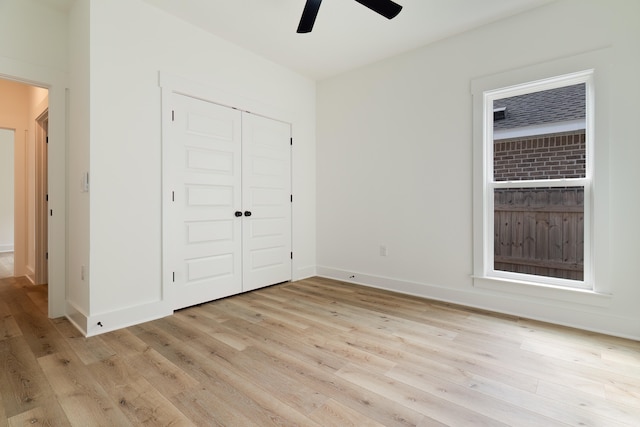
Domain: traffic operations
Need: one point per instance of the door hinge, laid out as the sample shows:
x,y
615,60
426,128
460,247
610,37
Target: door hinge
x,y
46,197
173,276
173,115
50,212
46,255
291,141
173,196
292,198
291,255
47,140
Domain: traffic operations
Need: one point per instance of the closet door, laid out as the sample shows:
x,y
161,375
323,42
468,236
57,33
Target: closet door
x,y
202,227
266,197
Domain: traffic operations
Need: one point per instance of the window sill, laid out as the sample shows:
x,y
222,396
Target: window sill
x,y
556,293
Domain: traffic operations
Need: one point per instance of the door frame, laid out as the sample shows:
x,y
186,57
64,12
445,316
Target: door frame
x,y
41,205
56,82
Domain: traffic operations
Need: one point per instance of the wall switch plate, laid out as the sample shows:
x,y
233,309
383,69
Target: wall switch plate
x,y
84,184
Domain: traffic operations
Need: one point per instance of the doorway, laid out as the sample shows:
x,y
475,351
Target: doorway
x,y
24,110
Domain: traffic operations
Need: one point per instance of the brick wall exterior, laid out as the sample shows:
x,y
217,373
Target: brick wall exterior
x,y
551,156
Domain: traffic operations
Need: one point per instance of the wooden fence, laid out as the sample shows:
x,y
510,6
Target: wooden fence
x,y
540,231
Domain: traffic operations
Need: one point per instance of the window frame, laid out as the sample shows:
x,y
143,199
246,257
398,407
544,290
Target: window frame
x,y
491,184
594,66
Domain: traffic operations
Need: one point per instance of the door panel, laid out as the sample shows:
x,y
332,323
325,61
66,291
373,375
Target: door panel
x,y
203,235
266,172
219,164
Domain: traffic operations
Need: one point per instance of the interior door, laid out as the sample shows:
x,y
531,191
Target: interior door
x,y
202,233
266,195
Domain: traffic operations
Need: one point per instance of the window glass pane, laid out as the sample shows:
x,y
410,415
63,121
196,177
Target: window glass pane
x,y
540,231
540,135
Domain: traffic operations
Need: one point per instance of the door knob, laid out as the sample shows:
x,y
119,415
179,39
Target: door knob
x,y
247,213
238,213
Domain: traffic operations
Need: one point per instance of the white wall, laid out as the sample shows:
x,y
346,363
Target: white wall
x,y
395,162
6,190
131,42
33,33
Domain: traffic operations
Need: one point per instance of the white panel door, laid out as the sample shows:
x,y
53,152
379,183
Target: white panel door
x,y
202,170
266,194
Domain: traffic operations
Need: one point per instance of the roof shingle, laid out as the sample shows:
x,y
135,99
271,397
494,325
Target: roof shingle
x,y
547,106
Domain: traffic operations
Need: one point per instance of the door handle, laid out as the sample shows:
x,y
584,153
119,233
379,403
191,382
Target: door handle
x,y
247,213
238,214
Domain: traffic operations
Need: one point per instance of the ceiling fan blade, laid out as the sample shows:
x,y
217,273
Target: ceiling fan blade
x,y
386,8
309,14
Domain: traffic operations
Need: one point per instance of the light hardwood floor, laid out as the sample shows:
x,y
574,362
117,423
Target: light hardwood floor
x,y
312,353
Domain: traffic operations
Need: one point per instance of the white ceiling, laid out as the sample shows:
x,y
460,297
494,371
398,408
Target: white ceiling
x,y
346,34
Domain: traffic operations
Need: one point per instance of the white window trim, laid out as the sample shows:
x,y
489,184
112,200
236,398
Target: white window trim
x,y
592,66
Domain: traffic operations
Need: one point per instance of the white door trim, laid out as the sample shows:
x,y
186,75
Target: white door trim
x,y
41,205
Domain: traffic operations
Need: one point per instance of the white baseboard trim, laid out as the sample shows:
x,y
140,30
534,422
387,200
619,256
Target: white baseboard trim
x,y
557,312
304,273
6,248
30,274
113,320
77,318
31,278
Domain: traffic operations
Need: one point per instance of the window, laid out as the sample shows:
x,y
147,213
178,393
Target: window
x,y
580,186
537,181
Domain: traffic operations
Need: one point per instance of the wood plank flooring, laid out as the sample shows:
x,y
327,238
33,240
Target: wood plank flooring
x,y
312,353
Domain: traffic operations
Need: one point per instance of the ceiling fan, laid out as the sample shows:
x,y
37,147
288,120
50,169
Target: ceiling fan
x,y
386,8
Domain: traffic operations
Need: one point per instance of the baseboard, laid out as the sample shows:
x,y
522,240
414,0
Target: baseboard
x,y
118,319
77,318
30,274
560,313
304,273
6,248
